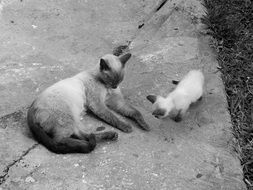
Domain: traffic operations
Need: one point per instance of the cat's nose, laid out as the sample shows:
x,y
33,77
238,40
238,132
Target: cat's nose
x,y
114,87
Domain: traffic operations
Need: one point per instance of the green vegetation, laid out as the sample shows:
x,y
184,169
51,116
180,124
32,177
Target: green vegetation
x,y
230,23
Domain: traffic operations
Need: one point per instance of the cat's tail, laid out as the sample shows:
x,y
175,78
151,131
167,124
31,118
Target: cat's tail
x,y
65,145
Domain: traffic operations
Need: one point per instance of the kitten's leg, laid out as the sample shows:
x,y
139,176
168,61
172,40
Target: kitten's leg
x,y
178,117
117,103
200,98
181,114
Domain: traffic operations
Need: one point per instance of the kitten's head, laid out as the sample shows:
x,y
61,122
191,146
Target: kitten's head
x,y
111,69
163,107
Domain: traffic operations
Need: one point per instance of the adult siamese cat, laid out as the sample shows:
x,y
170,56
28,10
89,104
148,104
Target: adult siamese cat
x,y
175,105
54,116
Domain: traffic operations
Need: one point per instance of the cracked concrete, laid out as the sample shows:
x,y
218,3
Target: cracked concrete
x,y
6,170
44,41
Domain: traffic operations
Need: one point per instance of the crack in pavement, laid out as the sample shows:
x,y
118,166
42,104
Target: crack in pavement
x,y
15,116
6,170
162,3
152,12
119,50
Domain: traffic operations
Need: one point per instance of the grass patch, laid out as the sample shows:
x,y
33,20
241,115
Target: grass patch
x,y
230,23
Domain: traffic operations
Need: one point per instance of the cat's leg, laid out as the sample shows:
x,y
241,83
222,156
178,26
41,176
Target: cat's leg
x,y
105,136
99,136
71,145
100,110
117,103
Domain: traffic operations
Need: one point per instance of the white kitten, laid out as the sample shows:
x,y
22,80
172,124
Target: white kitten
x,y
175,105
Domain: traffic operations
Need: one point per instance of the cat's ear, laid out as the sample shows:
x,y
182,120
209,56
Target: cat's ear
x,y
103,65
152,98
124,58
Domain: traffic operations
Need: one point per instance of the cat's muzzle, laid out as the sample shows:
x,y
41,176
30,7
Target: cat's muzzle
x,y
158,113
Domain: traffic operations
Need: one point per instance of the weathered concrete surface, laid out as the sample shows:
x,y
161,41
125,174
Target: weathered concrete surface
x,y
44,41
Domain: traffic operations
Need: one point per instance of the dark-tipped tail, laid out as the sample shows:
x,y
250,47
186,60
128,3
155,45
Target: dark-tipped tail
x,y
175,82
65,145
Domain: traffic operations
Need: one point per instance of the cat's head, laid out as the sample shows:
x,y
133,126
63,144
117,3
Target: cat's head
x,y
111,69
163,107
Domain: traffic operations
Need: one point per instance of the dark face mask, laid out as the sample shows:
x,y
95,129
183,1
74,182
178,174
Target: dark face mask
x,y
159,113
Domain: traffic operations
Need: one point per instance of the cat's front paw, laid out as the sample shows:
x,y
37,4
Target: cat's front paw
x,y
125,128
141,122
108,135
112,135
144,126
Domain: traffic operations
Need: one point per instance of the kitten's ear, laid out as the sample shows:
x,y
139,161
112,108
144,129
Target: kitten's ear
x,y
124,58
151,98
103,65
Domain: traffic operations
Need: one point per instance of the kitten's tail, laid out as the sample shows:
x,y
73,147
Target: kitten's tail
x,y
175,82
65,145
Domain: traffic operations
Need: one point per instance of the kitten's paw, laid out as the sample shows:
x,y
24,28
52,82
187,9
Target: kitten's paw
x,y
178,119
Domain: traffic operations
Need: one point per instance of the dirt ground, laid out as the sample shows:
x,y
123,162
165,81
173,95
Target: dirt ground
x,y
42,42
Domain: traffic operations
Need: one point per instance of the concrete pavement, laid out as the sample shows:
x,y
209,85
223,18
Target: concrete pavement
x,y
42,42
